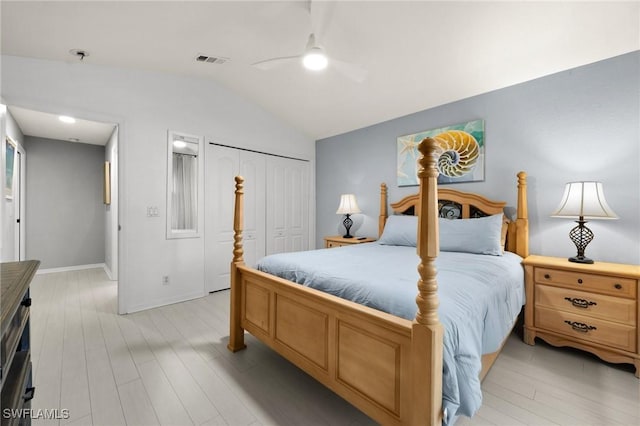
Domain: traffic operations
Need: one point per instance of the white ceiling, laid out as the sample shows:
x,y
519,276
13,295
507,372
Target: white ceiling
x,y
418,54
45,125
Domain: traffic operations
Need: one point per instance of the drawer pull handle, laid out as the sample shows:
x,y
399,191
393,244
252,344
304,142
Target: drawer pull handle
x,y
547,276
579,280
618,286
581,327
580,303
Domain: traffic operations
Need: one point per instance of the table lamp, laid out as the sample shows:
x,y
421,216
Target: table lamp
x,y
348,206
584,200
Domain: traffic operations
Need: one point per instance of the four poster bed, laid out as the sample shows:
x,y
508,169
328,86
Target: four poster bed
x,y
388,366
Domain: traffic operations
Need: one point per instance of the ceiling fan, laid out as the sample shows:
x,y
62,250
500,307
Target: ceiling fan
x,y
315,58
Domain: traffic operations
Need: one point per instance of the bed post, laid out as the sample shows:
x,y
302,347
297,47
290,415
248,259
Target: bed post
x,y
382,220
522,218
236,332
427,332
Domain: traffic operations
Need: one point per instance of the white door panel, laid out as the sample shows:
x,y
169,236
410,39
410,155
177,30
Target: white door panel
x,y
222,164
221,167
252,168
287,205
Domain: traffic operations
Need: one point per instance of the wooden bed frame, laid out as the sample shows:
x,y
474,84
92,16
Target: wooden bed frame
x,y
388,367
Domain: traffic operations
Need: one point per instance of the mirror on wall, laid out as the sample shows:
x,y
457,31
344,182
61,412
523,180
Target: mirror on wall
x,y
184,185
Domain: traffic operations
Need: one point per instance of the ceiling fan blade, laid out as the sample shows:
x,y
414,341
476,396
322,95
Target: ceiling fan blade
x,y
268,64
349,70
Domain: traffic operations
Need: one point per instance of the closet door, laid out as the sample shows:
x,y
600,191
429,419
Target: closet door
x,y
221,167
287,214
252,168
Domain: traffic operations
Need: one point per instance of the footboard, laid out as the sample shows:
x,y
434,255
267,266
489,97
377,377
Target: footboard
x,y
360,353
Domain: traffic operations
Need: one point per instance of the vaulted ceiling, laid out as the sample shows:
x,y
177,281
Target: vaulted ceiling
x,y
418,54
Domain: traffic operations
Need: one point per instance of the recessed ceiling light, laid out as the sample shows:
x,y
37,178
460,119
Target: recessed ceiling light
x,y
179,144
66,119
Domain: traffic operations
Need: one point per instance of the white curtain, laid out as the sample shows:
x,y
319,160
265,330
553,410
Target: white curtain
x,y
184,191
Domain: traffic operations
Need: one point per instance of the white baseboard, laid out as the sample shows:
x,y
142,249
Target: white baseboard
x,y
70,268
165,301
109,273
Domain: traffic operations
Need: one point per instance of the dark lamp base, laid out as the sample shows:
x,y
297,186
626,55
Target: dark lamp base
x,y
581,237
347,222
581,259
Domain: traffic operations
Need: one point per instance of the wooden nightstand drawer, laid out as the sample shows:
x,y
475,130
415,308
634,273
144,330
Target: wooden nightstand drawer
x,y
587,328
600,306
331,244
623,287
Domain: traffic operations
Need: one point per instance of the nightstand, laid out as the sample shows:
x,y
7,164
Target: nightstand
x,y
590,307
338,241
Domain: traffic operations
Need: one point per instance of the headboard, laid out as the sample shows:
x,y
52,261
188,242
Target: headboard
x,y
454,204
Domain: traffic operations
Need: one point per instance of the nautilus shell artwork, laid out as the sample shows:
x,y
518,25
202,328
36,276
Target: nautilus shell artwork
x,y
460,154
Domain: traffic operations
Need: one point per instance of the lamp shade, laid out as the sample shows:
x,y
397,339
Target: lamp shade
x,y
348,205
584,199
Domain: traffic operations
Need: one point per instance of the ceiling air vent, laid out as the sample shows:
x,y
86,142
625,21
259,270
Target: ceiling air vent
x,y
219,60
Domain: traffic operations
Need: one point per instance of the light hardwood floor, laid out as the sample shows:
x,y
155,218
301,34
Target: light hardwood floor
x,y
170,365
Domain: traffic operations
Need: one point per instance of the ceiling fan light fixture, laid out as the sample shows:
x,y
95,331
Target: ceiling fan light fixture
x,y
315,59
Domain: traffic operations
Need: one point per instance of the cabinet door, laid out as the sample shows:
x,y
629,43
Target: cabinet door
x,y
287,214
221,167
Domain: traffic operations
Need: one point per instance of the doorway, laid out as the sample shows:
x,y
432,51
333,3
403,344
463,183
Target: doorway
x,y
12,199
18,206
61,169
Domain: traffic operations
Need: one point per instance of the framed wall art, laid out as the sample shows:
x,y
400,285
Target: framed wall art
x,y
106,188
460,153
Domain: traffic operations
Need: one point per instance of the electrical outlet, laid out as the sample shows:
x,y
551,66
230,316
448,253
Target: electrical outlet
x,y
165,280
152,211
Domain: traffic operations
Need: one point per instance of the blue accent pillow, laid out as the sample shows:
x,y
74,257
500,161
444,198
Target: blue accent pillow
x,y
400,230
480,235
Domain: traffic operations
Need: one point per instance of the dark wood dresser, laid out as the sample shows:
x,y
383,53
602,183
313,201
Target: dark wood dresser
x,y
15,354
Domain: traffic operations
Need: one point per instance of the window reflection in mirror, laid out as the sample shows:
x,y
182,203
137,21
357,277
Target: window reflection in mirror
x,y
183,185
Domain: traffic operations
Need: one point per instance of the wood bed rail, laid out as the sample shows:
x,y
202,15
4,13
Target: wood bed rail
x,y
518,237
522,217
427,333
236,332
382,219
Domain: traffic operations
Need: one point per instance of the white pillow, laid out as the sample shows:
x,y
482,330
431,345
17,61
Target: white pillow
x,y
400,230
480,235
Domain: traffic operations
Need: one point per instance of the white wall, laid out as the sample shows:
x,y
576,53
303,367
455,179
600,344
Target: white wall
x,y
111,210
146,105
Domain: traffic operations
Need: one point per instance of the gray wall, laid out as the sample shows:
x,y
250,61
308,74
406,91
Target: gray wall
x,y
65,213
581,124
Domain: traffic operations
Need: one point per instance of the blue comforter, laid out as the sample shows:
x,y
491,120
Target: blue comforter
x,y
480,298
